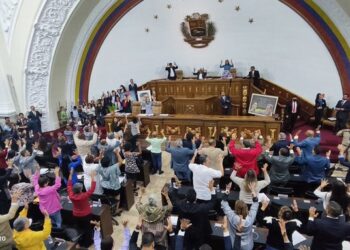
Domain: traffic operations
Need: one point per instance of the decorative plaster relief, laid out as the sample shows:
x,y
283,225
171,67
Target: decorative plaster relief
x,y
8,14
50,22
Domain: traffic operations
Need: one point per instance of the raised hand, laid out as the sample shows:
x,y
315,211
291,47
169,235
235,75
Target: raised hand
x,y
264,168
234,136
294,206
57,171
225,224
324,183
125,223
211,185
169,226
328,154
341,149
264,204
312,212
184,224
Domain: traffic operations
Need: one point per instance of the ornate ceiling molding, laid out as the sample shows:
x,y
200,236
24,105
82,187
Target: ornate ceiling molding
x,y
8,13
338,16
51,20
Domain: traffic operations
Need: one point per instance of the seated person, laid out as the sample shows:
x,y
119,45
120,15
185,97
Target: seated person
x,y
279,172
201,73
171,68
275,238
241,221
313,166
250,177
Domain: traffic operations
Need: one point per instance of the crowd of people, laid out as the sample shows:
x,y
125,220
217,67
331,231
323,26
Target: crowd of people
x,y
255,164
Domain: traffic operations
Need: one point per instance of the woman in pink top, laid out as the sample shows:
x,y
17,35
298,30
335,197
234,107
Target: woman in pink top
x,y
49,199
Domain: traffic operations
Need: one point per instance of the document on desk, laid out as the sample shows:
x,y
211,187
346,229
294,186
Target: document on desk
x,y
263,197
297,238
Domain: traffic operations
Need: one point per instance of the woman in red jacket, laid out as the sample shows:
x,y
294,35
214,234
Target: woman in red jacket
x,y
82,209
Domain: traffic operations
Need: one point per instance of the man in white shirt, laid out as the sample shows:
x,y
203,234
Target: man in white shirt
x,y
202,174
171,71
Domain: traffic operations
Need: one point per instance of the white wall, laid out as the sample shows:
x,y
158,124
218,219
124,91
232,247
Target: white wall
x,y
279,43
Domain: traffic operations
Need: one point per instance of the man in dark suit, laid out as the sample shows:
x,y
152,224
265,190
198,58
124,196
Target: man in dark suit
x,y
329,232
225,102
343,109
255,75
171,71
34,119
281,143
201,73
292,114
195,212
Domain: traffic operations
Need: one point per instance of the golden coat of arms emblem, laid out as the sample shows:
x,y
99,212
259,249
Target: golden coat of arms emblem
x,y
197,30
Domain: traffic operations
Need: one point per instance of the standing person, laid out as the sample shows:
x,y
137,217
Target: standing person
x,y
309,143
202,174
131,169
4,189
24,237
338,194
22,123
275,238
226,103
281,143
213,152
49,199
279,172
89,166
83,145
255,75
180,158
126,104
134,124
330,231
82,209
343,109
34,118
345,134
201,73
226,74
246,156
110,177
133,90
156,150
241,221
292,114
5,228
250,178
320,105
171,71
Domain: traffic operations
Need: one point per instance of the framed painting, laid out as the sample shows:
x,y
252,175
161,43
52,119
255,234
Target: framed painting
x,y
262,105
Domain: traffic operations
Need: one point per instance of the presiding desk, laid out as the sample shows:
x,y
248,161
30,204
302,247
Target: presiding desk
x,y
206,125
172,94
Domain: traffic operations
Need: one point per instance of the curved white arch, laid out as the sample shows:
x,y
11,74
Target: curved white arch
x,y
47,29
44,50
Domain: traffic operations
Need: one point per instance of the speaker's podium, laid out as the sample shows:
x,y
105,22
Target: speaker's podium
x,y
194,105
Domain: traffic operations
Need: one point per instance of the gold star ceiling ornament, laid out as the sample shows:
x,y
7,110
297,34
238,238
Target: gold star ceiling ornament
x,y
146,30
155,16
220,1
237,8
251,20
169,6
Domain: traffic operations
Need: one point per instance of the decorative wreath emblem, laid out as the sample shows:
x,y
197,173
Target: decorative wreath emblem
x,y
197,30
